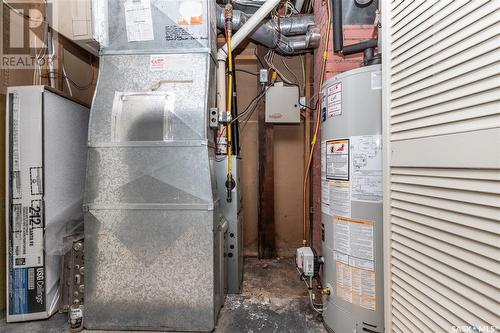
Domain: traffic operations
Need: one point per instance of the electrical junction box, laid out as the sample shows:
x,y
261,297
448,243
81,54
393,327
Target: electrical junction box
x,y
282,104
304,259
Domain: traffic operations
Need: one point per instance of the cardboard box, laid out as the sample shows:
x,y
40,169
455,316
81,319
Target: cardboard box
x,y
46,144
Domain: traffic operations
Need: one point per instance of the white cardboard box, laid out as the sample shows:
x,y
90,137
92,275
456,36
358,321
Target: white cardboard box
x,y
46,145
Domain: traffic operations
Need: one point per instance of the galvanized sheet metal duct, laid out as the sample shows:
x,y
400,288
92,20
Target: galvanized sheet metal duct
x,y
152,221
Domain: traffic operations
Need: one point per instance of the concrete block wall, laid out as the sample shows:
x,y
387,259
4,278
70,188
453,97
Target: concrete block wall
x,y
335,64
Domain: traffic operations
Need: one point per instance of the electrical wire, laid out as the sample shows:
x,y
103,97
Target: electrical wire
x,y
316,129
310,291
245,71
291,72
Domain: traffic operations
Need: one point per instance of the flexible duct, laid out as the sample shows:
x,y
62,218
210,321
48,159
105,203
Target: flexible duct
x,y
238,37
290,35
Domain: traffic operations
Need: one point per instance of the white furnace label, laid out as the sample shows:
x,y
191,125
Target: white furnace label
x,y
337,159
366,168
138,20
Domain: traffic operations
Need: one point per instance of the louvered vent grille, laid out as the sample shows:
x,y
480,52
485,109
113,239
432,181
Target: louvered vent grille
x,y
442,127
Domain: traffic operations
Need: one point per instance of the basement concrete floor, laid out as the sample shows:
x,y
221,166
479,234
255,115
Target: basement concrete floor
x,y
274,300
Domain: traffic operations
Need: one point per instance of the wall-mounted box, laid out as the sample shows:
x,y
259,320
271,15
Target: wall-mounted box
x,y
282,104
73,20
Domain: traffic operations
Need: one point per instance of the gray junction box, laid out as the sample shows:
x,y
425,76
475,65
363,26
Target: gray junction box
x,y
351,176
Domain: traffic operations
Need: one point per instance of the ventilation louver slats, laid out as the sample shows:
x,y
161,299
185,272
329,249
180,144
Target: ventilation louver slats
x,y
441,100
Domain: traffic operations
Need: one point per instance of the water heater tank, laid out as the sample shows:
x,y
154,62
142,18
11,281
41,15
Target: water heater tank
x,y
351,175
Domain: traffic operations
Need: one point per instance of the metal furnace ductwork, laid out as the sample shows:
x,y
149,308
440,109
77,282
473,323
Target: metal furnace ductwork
x,y
153,229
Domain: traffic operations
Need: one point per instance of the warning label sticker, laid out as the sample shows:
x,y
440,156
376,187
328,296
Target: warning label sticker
x,y
366,168
138,20
355,265
334,100
356,286
340,198
354,237
157,63
337,159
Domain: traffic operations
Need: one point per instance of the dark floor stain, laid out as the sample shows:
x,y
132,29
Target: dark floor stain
x,y
274,300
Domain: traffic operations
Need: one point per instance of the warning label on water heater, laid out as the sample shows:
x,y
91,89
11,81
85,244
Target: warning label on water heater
x,y
334,100
337,159
355,261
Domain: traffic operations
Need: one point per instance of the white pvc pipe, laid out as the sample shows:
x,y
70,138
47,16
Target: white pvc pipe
x,y
237,38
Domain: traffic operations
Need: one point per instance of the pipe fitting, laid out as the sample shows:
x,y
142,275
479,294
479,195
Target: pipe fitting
x,y
313,37
292,35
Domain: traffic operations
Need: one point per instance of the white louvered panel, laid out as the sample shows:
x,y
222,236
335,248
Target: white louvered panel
x,y
408,321
484,174
462,92
402,242
462,42
468,232
441,101
459,305
454,28
450,281
430,302
423,321
477,312
409,13
401,9
412,121
428,17
451,63
456,250
485,289
432,320
480,68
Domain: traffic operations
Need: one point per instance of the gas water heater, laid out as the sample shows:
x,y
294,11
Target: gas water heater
x,y
351,175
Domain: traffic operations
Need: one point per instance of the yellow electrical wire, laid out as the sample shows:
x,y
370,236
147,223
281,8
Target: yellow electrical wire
x,y
229,102
316,130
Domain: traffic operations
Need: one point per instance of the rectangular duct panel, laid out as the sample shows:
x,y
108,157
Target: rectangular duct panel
x,y
441,85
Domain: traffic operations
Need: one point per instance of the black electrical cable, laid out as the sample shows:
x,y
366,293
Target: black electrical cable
x,y
254,100
245,71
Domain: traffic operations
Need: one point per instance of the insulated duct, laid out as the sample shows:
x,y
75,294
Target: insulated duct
x,y
290,35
